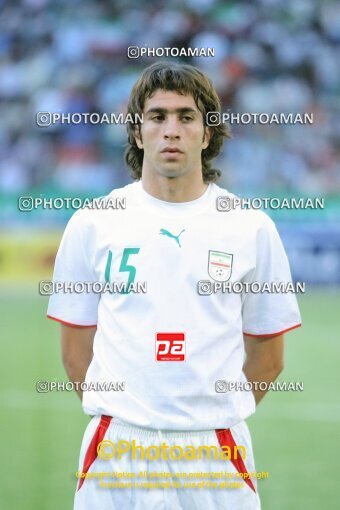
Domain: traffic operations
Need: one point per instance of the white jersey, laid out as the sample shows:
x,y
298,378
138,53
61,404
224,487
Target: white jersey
x,y
170,345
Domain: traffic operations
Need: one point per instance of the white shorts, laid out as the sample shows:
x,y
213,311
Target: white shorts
x,y
152,473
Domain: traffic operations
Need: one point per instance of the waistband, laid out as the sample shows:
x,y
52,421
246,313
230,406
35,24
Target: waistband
x,y
124,428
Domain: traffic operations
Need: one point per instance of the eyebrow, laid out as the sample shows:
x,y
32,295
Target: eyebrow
x,y
184,109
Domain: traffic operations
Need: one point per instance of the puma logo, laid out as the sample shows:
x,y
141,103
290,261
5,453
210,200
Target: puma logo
x,y
164,232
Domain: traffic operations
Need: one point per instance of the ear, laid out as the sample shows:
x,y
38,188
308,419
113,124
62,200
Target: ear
x,y
138,137
206,137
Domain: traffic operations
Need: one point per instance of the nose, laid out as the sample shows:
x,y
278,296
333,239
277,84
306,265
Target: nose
x,y
171,128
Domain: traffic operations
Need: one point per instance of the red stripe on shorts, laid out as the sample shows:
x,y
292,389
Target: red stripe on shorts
x,y
225,438
91,453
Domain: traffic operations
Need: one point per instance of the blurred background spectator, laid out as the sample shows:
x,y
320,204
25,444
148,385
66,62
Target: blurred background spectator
x,y
70,56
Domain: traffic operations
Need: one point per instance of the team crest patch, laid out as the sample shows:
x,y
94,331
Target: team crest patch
x,y
220,265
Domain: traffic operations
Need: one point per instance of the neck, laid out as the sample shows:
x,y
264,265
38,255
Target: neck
x,y
174,189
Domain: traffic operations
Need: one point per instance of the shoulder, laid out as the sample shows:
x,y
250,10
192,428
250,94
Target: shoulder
x,y
238,209
98,209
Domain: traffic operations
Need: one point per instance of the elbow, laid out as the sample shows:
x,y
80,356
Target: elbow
x,y
68,361
278,367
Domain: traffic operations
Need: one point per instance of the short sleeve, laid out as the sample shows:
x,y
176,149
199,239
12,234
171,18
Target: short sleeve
x,y
72,264
268,313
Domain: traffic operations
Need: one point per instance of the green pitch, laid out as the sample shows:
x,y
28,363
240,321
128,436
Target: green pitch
x,y
295,435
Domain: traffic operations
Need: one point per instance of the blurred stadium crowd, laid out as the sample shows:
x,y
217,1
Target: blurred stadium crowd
x,y
71,56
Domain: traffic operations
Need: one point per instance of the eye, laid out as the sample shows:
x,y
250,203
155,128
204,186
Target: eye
x,y
157,118
187,118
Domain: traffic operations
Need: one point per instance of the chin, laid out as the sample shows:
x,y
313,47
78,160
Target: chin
x,y
171,173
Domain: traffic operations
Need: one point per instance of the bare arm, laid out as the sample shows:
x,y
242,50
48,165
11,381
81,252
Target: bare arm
x,y
77,351
264,360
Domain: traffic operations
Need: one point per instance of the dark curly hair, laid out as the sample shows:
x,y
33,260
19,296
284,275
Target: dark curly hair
x,y
187,80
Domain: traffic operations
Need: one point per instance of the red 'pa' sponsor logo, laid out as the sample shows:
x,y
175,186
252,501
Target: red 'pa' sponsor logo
x,y
170,346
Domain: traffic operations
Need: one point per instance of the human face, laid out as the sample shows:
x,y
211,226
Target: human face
x,y
172,135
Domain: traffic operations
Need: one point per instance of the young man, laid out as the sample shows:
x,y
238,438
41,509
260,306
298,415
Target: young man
x,y
173,347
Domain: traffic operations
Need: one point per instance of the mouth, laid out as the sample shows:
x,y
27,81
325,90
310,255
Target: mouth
x,y
171,151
